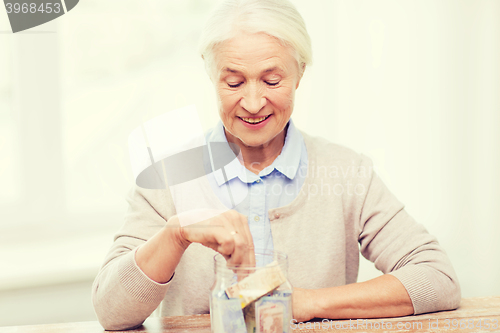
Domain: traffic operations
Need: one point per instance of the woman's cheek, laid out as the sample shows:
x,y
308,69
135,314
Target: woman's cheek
x,y
282,98
231,103
227,100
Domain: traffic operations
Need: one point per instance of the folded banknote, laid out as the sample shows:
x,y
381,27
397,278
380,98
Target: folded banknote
x,y
257,284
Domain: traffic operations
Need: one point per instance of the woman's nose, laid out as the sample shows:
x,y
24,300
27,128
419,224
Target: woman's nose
x,y
253,99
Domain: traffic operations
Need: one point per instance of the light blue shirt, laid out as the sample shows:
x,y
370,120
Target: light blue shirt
x,y
275,186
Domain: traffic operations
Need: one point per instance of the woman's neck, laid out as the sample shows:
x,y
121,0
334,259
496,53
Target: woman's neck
x,y
256,159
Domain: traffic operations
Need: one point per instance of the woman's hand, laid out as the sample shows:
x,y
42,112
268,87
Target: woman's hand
x,y
227,233
381,297
302,304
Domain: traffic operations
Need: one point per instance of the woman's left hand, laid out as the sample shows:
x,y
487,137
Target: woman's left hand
x,y
302,304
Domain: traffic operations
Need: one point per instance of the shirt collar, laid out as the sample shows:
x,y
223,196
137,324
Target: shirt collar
x,y
286,163
234,168
288,160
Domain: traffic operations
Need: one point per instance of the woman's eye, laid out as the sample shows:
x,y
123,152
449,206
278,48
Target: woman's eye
x,y
234,85
272,83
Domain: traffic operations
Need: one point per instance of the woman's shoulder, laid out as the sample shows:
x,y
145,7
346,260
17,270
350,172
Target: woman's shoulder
x,y
321,148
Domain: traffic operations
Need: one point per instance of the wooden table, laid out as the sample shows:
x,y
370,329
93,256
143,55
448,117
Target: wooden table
x,y
472,310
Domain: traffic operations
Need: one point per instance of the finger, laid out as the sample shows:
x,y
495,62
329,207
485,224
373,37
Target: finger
x,y
239,252
246,252
243,238
245,229
249,259
251,248
239,241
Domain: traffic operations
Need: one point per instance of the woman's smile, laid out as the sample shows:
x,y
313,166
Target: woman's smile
x,y
254,120
255,123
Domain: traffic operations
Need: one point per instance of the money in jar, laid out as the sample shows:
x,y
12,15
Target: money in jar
x,y
252,299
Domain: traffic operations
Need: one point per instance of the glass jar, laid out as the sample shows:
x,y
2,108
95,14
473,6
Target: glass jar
x,y
250,305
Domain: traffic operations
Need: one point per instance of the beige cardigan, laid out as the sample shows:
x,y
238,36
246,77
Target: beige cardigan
x,y
342,209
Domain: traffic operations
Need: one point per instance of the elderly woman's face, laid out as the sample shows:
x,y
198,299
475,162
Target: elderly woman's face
x,y
255,80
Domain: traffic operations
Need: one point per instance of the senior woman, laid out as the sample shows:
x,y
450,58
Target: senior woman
x,y
256,52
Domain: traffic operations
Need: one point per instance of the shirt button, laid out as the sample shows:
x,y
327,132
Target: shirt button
x,y
258,180
277,216
256,218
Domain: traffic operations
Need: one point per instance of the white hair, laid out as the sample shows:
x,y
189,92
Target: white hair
x,y
276,18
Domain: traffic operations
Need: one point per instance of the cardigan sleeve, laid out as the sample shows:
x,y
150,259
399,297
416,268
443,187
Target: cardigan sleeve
x,y
400,246
122,295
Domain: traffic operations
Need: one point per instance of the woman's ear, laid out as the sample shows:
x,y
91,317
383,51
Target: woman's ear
x,y
207,69
302,69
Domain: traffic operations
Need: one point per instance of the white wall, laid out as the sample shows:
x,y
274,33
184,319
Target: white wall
x,y
413,84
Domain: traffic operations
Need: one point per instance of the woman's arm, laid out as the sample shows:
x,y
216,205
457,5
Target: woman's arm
x,y
381,297
122,294
418,275
137,270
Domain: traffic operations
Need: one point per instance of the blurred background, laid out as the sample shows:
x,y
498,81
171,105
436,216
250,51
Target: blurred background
x,y
415,85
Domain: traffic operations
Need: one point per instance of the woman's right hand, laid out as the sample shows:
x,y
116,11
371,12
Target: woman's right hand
x,y
227,233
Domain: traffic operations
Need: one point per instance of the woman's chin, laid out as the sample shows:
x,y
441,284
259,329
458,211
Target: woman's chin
x,y
253,142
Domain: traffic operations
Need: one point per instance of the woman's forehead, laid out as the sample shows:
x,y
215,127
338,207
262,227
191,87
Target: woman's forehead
x,y
267,70
253,52
268,67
